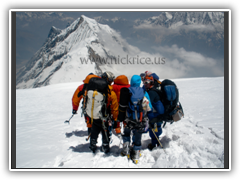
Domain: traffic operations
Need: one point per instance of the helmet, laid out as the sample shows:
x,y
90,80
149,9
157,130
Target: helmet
x,y
148,73
109,76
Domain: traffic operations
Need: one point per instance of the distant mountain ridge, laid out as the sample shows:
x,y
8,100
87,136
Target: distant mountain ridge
x,y
168,19
31,16
202,32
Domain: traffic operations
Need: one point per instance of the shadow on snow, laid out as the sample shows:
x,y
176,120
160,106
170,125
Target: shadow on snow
x,y
77,133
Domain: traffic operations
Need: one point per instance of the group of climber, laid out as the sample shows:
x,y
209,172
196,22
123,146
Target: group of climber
x,y
110,102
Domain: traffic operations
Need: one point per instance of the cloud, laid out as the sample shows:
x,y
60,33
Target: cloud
x,y
189,57
141,62
198,27
160,30
177,62
25,25
190,63
174,29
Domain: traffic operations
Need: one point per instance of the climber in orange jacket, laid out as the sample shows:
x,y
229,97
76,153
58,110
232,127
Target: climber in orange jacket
x,y
120,82
102,125
78,95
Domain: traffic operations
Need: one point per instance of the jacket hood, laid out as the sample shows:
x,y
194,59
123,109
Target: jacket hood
x,y
136,81
121,80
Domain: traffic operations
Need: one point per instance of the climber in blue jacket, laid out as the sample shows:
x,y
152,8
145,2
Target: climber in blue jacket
x,y
157,109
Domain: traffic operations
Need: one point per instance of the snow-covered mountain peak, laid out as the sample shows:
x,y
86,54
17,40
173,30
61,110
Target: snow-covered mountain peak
x,y
71,53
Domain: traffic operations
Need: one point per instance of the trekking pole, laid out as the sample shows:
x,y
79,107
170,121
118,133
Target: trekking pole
x,y
88,137
110,127
158,140
68,121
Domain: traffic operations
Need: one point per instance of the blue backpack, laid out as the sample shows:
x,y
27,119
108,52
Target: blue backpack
x,y
169,96
135,110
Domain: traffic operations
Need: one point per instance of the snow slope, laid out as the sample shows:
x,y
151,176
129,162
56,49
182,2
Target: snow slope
x,y
45,141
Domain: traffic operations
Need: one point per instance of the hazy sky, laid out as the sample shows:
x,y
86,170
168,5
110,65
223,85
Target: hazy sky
x,y
111,14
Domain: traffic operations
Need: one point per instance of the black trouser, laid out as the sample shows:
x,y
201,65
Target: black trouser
x,y
97,127
136,139
87,119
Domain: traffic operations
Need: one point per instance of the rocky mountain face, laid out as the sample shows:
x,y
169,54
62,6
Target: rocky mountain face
x,y
70,54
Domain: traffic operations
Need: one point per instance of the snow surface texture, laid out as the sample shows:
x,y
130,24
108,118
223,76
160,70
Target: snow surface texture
x,y
45,141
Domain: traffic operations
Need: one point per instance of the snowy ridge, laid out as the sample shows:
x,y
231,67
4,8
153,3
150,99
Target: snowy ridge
x,y
177,19
44,141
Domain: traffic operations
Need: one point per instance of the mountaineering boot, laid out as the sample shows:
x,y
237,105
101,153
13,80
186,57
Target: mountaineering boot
x,y
135,154
93,146
126,149
105,148
150,146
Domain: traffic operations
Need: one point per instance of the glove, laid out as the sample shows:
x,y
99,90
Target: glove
x,y
130,125
74,111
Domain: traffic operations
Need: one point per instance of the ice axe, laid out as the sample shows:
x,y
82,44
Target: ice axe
x,y
158,140
68,121
88,137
